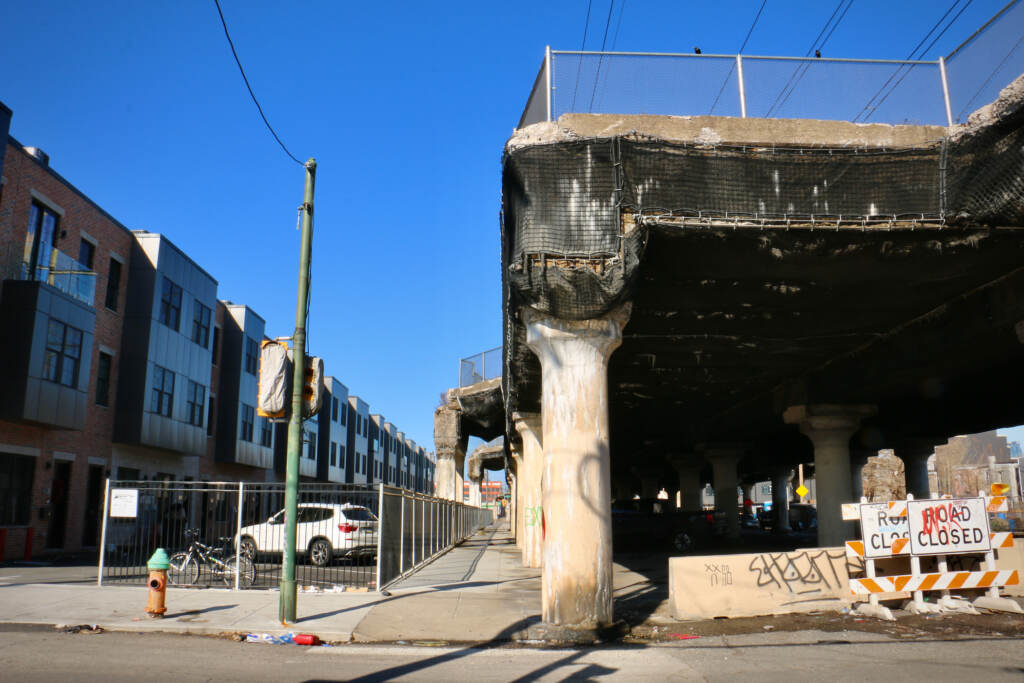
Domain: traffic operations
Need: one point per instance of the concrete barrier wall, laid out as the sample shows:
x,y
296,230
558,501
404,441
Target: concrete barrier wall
x,y
803,580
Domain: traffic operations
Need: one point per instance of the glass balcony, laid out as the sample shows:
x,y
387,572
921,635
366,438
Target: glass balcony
x,y
65,273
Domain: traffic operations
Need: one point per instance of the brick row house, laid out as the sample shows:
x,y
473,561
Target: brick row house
x,y
121,362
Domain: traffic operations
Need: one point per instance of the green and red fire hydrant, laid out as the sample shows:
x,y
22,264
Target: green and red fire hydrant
x,y
158,566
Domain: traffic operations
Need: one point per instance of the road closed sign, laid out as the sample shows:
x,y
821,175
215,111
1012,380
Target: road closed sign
x,y
883,528
948,526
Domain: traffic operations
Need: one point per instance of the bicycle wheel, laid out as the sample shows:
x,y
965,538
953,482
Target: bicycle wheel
x,y
246,572
184,570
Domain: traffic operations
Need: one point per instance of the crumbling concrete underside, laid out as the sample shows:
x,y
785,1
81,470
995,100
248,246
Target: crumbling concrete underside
x,y
900,321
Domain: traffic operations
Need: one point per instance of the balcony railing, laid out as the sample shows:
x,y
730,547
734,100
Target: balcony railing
x,y
940,92
56,269
480,367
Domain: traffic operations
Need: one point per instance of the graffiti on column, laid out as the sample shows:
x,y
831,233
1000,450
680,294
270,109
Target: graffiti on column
x,y
533,515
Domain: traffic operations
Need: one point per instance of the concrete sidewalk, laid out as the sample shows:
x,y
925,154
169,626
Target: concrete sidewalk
x,y
476,592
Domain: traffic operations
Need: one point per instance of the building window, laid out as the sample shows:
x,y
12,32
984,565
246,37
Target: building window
x,y
170,305
334,409
311,446
16,489
216,346
196,403
201,324
103,380
248,415
266,433
359,425
252,355
209,416
334,454
63,353
344,413
42,236
113,283
86,253
162,397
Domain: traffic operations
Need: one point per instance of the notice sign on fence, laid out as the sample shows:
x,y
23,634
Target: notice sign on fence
x,y
124,502
948,526
881,529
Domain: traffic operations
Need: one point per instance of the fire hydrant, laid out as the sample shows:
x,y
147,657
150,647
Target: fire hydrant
x,y
158,566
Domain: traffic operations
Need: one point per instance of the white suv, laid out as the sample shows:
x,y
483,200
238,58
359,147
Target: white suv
x,y
322,530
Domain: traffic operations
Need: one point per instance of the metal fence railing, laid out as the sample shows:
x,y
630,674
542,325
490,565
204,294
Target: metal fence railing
x,y
939,92
480,367
347,535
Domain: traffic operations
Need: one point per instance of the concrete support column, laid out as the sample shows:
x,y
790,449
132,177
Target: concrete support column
x,y
515,498
649,479
475,498
747,489
688,468
528,426
576,588
724,458
858,459
450,448
829,427
780,500
914,455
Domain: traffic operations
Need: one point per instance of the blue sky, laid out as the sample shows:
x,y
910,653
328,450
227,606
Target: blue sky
x,y
405,106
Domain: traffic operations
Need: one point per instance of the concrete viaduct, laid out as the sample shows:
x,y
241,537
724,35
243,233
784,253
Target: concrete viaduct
x,y
695,299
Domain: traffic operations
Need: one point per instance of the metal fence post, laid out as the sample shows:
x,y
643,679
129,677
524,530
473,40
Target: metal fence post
x,y
412,536
739,79
103,532
380,527
945,91
547,75
401,536
238,533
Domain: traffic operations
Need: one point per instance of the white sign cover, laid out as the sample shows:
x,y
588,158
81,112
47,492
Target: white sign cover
x,y
948,526
879,528
124,502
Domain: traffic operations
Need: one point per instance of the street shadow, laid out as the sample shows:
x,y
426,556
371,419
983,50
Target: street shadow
x,y
396,672
195,612
437,589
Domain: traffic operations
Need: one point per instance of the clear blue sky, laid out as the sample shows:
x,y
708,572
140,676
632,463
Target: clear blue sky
x,y
405,105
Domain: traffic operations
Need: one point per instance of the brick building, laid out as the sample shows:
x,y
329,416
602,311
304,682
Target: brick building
x,y
120,362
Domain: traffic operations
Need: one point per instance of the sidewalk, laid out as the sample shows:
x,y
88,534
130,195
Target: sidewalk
x,y
476,592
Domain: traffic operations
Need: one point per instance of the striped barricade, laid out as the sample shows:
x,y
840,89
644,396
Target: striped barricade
x,y
934,582
901,546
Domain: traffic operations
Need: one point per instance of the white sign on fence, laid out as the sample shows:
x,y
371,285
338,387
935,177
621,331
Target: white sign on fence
x,y
879,528
124,502
948,526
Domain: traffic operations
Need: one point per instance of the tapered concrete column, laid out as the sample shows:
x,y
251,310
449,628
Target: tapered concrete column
x,y
576,588
780,500
688,468
829,427
724,458
475,499
649,478
516,495
914,454
450,447
528,426
858,459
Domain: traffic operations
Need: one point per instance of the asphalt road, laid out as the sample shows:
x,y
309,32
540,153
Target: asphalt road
x,y
42,654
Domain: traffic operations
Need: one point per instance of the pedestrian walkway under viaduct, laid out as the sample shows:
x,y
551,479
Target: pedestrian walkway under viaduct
x,y
703,299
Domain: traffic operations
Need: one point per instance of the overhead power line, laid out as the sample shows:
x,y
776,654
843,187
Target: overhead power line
x,y
583,46
251,93
742,47
604,41
801,69
908,67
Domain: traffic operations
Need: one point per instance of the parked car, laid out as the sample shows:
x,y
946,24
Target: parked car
x,y
802,517
657,525
323,531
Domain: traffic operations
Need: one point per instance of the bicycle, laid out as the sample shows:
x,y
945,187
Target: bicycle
x,y
185,566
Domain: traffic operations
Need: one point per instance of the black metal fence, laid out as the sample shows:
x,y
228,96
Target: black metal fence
x,y
347,536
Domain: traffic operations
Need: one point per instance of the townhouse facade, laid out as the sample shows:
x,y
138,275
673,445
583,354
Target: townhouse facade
x,y
122,363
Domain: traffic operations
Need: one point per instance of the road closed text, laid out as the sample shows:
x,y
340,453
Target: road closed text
x,y
948,526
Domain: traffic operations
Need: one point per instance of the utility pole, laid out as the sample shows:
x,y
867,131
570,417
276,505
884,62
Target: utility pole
x,y
286,610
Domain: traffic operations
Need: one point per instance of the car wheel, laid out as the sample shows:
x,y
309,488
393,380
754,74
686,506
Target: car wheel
x,y
320,552
247,547
682,542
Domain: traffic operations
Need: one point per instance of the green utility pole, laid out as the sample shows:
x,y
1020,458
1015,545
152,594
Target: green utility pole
x,y
291,490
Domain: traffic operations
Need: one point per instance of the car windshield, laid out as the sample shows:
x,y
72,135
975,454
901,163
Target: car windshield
x,y
360,515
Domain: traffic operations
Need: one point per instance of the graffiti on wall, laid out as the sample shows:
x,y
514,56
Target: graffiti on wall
x,y
814,574
718,574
